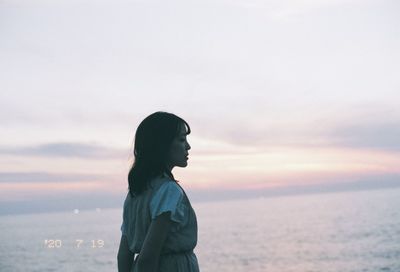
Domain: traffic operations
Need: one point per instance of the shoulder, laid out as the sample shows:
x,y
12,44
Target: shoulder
x,y
163,183
168,193
171,187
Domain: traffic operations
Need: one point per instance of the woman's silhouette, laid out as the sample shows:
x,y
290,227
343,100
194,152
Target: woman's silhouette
x,y
159,223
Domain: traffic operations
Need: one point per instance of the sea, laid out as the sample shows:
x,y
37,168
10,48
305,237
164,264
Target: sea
x,y
329,232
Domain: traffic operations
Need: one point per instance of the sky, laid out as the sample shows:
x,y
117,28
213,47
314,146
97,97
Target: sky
x,y
278,94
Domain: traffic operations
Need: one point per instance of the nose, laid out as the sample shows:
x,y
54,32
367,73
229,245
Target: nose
x,y
188,146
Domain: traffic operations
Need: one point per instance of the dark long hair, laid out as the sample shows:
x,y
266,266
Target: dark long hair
x,y
153,139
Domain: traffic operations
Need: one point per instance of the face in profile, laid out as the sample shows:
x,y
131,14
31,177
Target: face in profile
x,y
179,150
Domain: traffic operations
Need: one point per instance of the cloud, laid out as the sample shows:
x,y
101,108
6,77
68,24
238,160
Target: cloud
x,y
289,8
383,135
246,135
256,133
368,131
65,149
98,199
20,177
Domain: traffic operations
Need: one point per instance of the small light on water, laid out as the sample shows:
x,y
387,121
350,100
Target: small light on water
x,y
76,211
98,210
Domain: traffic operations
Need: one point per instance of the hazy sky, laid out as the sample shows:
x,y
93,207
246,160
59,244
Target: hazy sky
x,y
277,93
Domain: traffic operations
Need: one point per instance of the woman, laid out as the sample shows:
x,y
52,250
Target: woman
x,y
159,224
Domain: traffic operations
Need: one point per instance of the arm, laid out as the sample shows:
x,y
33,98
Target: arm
x,y
125,256
148,258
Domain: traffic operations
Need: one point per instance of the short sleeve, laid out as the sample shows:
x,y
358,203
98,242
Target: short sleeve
x,y
123,225
123,231
168,197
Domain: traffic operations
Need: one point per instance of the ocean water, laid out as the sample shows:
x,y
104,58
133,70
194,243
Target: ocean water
x,y
348,231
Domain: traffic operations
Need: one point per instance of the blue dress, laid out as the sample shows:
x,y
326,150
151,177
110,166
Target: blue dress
x,y
163,195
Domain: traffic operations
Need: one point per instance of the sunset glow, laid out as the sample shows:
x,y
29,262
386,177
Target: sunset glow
x,y
277,94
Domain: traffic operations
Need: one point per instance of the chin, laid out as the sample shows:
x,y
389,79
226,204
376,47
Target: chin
x,y
184,164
